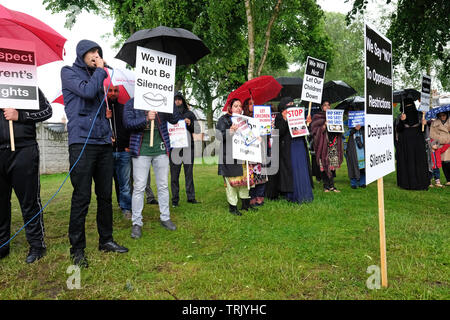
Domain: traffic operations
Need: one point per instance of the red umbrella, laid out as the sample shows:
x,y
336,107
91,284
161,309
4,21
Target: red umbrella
x,y
17,25
260,89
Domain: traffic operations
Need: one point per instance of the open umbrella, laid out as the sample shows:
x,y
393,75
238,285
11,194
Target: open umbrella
x,y
401,95
49,44
432,114
260,89
292,87
177,41
356,103
336,90
21,26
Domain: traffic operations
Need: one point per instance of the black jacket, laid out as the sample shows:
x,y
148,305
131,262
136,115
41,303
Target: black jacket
x,y
24,127
231,169
186,113
120,133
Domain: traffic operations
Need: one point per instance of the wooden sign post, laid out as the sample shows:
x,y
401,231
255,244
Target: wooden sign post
x,y
11,135
384,281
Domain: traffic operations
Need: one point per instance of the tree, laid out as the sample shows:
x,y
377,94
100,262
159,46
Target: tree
x,y
420,35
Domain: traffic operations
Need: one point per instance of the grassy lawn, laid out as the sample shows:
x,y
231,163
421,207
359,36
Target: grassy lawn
x,y
319,250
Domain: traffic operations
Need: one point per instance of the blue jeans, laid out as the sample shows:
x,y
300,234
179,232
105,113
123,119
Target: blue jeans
x,y
362,179
122,176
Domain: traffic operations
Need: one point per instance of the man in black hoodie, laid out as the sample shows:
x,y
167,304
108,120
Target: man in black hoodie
x,y
19,169
83,92
183,156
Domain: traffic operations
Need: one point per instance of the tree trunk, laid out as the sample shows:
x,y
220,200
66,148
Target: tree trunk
x,y
251,40
276,10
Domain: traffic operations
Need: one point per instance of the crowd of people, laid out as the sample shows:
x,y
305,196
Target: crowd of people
x,y
119,150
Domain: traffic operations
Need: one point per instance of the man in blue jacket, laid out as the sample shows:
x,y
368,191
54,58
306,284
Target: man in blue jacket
x,y
144,156
82,86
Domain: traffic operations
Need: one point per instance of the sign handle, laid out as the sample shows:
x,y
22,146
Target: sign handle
x,y
110,122
152,127
309,110
248,175
11,135
423,118
384,280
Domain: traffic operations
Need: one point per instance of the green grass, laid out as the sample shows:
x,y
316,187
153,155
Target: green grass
x,y
319,250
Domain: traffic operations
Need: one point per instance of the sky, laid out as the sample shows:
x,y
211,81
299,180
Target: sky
x,y
92,27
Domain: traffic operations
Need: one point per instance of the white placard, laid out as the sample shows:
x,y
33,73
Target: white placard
x,y
313,79
335,120
155,80
178,134
296,122
248,128
18,75
379,132
263,114
242,151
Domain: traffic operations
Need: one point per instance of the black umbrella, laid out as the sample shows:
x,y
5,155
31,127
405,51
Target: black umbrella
x,y
292,87
400,95
177,41
336,90
355,103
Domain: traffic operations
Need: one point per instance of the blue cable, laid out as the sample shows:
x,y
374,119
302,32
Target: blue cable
x,y
68,174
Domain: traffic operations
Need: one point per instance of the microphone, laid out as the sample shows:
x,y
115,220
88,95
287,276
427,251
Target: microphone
x,y
107,65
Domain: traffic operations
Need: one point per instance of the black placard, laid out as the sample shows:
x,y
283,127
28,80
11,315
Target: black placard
x,y
315,67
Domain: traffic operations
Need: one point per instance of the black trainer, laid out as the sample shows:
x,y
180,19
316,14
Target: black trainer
x,y
112,246
35,254
193,201
246,205
4,252
234,210
79,259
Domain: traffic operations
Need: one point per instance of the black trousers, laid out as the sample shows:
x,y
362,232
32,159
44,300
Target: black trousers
x,y
446,170
328,182
175,170
19,170
96,164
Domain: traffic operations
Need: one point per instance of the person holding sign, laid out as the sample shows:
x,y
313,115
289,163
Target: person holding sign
x,y
354,154
328,148
234,174
295,181
145,156
412,162
19,170
183,156
83,92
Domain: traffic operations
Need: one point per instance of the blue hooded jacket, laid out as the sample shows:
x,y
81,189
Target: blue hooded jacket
x,y
83,92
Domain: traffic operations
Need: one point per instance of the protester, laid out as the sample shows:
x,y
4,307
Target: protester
x,y
354,155
19,170
256,169
82,87
440,131
295,181
412,164
183,156
328,148
145,156
234,174
121,155
436,161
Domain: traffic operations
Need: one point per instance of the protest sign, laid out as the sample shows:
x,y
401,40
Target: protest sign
x,y
263,114
247,127
355,118
178,134
246,152
155,80
425,94
18,75
296,122
379,133
313,80
335,120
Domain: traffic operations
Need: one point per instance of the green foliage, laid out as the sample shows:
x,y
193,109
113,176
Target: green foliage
x,y
420,35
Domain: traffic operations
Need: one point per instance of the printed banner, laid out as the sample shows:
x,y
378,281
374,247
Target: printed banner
x,y
248,128
155,80
355,118
297,122
335,120
18,75
263,114
425,94
178,134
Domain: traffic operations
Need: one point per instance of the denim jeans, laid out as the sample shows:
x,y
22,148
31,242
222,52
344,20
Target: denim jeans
x,y
141,167
122,172
362,179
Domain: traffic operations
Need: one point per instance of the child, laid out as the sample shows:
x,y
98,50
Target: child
x,y
436,152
